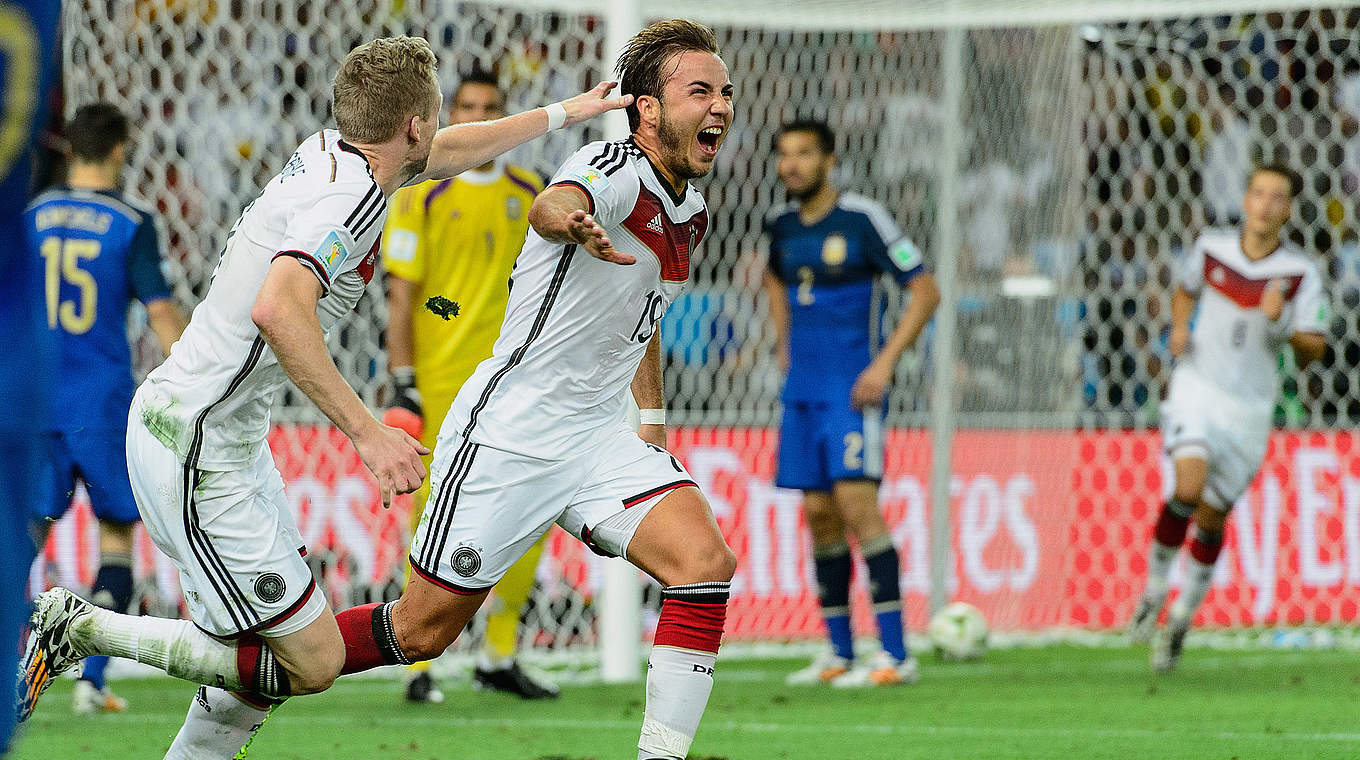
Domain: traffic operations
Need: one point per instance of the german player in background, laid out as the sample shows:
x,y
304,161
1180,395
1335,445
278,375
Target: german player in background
x,y
537,435
827,250
1250,294
100,249
294,265
457,240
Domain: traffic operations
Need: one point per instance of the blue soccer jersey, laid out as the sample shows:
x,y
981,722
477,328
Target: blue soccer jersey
x,y
97,250
828,269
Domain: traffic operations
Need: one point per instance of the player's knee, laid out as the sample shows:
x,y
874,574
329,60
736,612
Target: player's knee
x,y
711,562
1210,519
426,642
1188,492
318,672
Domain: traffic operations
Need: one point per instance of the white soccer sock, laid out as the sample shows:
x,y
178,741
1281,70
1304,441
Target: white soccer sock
x,y
678,684
217,726
1160,557
1198,576
175,646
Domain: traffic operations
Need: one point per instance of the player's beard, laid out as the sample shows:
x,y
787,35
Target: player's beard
x,y
675,146
813,187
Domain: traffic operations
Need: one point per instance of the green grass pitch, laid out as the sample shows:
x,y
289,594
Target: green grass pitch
x,y
1057,702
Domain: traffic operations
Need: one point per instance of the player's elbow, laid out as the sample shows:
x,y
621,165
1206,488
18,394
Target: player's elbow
x,y
926,292
268,314
543,219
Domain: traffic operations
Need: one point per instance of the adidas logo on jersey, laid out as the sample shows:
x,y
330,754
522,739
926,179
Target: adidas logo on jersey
x,y
655,225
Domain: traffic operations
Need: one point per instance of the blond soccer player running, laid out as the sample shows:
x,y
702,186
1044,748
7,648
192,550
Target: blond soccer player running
x,y
1251,294
448,242
294,266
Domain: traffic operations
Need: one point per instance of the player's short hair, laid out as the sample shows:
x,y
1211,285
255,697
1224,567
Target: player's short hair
x,y
826,139
642,65
482,77
380,85
1277,167
95,130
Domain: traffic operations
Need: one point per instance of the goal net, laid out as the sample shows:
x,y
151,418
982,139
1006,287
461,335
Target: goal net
x,y
1053,159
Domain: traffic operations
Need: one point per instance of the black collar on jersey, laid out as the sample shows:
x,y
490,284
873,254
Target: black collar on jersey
x,y
665,183
351,149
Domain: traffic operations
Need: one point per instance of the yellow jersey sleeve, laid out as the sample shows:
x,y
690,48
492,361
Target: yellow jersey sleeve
x,y
404,232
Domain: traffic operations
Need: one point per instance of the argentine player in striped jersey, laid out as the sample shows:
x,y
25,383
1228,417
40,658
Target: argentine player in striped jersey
x,y
294,266
826,253
1251,294
537,435
100,249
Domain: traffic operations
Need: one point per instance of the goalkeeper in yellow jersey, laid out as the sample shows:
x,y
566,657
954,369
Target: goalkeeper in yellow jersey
x,y
450,246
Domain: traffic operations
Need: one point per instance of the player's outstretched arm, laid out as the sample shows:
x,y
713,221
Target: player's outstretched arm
x,y
559,215
460,147
285,313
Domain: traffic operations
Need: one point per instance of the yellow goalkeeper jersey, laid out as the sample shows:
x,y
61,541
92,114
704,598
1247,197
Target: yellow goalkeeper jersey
x,y
458,239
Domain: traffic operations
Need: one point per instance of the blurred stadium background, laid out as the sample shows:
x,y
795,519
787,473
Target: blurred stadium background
x,y
1053,159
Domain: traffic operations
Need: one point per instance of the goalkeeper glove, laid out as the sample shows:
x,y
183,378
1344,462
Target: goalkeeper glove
x,y
405,410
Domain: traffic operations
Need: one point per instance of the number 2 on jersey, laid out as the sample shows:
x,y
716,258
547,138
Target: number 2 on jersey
x,y
63,263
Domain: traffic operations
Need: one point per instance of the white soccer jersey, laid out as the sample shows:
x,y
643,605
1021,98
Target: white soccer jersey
x,y
210,400
1233,345
576,327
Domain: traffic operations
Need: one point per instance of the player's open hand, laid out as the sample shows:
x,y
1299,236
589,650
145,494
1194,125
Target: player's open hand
x,y
587,233
394,459
594,102
1272,300
871,386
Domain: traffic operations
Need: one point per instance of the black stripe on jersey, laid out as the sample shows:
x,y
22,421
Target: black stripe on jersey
x,y
364,206
197,538
615,163
442,529
605,156
554,287
372,216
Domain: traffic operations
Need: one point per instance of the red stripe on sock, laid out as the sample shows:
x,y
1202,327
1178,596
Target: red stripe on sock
x,y
1170,530
1205,554
361,649
690,626
248,648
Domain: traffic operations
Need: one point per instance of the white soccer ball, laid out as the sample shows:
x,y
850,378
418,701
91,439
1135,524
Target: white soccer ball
x,y
958,632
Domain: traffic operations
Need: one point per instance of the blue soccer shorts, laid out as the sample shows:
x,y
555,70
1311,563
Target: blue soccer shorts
x,y
821,443
97,457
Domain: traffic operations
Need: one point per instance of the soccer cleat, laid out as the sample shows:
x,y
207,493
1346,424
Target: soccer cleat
x,y
421,688
517,680
827,667
51,648
87,700
1144,621
1166,650
882,670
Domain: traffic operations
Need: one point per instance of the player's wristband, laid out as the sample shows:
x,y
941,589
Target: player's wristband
x,y
557,116
652,416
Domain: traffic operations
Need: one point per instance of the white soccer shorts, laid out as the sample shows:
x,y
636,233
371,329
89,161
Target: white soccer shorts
x,y
1201,421
232,536
488,506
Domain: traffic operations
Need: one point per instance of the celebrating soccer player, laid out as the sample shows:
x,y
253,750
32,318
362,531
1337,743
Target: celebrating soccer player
x,y
101,249
458,239
537,435
294,265
826,252
1255,294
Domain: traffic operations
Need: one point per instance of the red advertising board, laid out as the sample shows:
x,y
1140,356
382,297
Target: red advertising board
x,y
1049,528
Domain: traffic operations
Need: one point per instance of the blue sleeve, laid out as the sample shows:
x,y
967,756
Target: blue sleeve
x,y
144,263
898,258
774,261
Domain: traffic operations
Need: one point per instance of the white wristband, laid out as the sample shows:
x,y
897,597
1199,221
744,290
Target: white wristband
x,y
557,116
652,416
